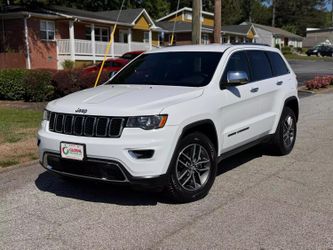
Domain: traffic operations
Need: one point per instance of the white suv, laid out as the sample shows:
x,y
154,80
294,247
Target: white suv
x,y
169,116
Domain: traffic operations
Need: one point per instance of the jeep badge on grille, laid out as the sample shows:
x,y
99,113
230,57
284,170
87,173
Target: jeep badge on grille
x,y
83,111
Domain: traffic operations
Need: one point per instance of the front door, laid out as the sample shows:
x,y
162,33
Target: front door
x,y
123,36
240,108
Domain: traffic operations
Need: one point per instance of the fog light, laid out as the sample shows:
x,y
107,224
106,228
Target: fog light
x,y
142,154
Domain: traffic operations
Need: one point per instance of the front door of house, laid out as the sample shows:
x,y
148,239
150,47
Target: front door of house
x,y
123,36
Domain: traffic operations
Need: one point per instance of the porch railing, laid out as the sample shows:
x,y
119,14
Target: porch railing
x,y
85,47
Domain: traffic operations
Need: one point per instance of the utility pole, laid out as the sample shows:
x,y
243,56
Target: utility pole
x,y
332,11
196,22
217,21
274,13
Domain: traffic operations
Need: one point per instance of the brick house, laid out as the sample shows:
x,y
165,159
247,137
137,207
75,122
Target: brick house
x,y
181,22
45,37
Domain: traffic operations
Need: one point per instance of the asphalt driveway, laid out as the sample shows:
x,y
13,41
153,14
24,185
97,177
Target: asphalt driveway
x,y
307,70
258,202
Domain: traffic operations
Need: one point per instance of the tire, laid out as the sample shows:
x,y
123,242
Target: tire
x,y
284,138
192,169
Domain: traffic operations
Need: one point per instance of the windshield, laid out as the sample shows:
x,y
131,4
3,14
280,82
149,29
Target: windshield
x,y
189,69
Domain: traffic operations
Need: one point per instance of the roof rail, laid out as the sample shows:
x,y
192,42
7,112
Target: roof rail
x,y
261,44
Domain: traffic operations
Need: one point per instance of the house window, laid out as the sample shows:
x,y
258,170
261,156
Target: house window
x,y
101,33
188,16
47,30
146,37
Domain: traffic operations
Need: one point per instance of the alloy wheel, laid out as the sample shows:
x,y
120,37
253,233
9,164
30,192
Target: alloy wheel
x,y
288,131
193,167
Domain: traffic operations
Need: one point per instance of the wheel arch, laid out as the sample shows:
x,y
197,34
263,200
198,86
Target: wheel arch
x,y
206,127
292,103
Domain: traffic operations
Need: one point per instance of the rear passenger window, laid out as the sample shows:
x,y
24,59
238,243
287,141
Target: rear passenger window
x,y
260,66
279,67
237,62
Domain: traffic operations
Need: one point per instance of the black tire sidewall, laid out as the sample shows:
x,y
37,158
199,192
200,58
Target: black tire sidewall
x,y
179,193
283,149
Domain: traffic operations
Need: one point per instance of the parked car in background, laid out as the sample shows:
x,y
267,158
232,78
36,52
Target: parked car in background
x,y
113,65
320,50
110,65
131,55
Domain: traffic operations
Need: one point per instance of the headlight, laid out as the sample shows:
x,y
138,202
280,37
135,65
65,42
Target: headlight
x,y
315,51
147,122
46,115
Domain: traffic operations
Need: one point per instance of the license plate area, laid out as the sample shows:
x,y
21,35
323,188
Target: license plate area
x,y
72,151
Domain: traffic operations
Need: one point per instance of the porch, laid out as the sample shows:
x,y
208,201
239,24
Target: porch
x,y
80,49
88,42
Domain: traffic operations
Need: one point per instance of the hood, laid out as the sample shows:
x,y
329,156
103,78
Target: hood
x,y
124,100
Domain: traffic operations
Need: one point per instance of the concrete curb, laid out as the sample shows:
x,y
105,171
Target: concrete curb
x,y
25,164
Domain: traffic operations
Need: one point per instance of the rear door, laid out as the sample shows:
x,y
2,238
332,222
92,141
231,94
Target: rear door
x,y
273,90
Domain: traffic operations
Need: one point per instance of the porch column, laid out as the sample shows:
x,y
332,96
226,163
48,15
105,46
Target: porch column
x,y
150,40
71,40
93,44
228,39
112,43
129,39
26,38
236,39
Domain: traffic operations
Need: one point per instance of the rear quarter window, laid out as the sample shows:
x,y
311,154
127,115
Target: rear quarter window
x,y
279,67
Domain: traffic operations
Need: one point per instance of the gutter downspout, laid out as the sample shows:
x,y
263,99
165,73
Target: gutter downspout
x,y
26,38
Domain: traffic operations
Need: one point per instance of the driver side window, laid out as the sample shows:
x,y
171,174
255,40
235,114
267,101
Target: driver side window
x,y
237,62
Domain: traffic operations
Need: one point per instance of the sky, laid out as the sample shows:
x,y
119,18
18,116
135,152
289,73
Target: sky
x,y
329,6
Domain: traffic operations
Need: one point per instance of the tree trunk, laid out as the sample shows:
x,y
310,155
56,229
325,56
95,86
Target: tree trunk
x,y
196,22
217,21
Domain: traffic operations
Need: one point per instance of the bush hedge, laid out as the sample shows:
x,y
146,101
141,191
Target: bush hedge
x,y
68,81
12,84
44,85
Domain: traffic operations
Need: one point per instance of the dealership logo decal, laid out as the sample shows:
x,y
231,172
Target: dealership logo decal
x,y
83,111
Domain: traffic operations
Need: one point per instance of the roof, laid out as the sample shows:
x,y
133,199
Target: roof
x,y
127,16
236,29
180,11
210,48
182,26
275,31
179,27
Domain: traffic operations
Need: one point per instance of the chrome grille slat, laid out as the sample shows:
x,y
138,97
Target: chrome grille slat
x,y
88,126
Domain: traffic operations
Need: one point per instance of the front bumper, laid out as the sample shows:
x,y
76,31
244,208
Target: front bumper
x,y
98,170
116,150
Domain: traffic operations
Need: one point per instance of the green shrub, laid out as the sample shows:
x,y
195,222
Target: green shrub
x,y
277,46
12,85
298,50
286,50
38,86
68,64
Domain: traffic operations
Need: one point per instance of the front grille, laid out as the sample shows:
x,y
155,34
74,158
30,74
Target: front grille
x,y
99,169
90,126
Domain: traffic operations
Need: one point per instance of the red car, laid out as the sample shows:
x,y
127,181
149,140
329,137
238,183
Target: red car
x,y
110,65
114,64
132,54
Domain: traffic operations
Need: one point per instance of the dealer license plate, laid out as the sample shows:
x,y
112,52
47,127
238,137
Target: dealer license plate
x,y
72,151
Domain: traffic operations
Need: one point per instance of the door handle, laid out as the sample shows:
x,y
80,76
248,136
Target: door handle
x,y
254,90
279,83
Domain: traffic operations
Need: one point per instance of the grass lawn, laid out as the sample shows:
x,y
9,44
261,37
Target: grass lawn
x,y
18,128
308,58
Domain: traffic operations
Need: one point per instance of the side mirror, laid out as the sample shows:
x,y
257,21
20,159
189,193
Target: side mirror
x,y
237,78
